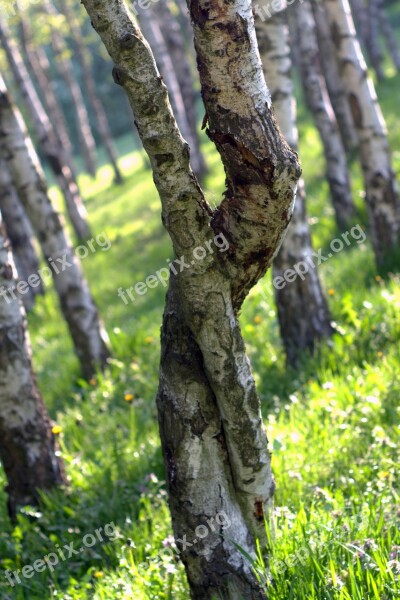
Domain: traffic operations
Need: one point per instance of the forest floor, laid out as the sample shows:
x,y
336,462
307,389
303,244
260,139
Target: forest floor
x,y
333,425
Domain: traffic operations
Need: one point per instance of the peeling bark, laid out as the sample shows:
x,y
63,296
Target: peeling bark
x,y
382,199
19,232
302,309
333,80
76,302
303,34
213,440
86,139
28,450
50,146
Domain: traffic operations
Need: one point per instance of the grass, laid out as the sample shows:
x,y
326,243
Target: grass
x,y
333,426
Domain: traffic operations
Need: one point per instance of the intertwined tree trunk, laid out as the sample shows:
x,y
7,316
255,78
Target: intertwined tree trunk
x,y
213,439
333,80
302,309
44,130
76,301
381,194
304,39
86,139
19,232
27,445
92,93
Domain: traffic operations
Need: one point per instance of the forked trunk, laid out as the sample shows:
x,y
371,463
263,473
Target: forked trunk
x,y
44,130
380,186
27,445
76,302
19,232
213,439
333,80
302,309
303,34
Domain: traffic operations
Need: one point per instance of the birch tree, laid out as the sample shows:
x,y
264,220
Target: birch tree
x,y
44,130
213,440
302,309
304,39
380,186
76,301
20,235
27,444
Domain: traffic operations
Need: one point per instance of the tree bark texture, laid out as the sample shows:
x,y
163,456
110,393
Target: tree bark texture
x,y
19,233
380,186
76,301
373,47
302,309
27,444
333,80
303,34
86,139
92,93
212,434
50,146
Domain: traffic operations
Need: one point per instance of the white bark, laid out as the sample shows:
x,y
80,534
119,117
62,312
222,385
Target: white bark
x,y
380,186
76,302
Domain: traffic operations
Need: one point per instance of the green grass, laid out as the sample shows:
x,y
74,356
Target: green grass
x,y
333,426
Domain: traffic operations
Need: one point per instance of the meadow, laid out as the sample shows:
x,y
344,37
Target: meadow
x,y
333,425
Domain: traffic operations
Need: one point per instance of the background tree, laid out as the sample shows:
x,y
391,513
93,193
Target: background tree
x,y
213,440
77,305
27,445
302,309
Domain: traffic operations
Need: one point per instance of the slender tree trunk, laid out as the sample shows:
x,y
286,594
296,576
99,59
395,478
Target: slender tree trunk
x,y
86,139
27,445
39,65
374,49
380,186
50,146
150,26
389,37
92,93
303,34
76,302
333,80
176,48
19,232
302,309
213,440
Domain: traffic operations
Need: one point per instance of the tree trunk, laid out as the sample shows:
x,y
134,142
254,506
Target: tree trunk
x,y
303,34
333,80
381,195
86,139
176,48
39,65
76,302
150,26
92,94
373,46
27,445
50,146
19,232
213,440
302,309
389,37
